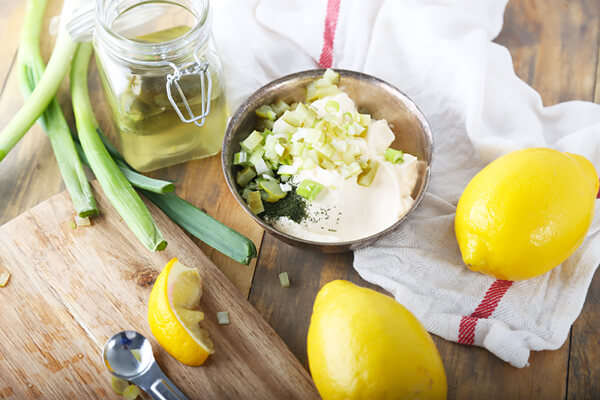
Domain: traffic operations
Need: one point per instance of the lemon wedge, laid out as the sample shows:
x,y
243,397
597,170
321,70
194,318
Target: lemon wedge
x,y
173,314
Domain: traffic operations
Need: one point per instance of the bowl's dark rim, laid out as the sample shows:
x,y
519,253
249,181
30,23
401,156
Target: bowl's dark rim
x,y
313,73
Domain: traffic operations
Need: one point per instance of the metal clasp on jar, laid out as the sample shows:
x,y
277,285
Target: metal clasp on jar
x,y
192,68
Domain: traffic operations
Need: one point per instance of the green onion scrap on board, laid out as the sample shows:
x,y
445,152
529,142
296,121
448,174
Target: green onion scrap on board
x,y
39,84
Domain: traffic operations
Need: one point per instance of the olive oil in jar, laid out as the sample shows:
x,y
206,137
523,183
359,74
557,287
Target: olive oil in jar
x,y
151,132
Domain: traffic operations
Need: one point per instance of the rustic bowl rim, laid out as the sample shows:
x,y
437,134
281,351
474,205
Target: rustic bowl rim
x,y
250,104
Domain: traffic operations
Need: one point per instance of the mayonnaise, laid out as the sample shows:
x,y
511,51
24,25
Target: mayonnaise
x,y
345,210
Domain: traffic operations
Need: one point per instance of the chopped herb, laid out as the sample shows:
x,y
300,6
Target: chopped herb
x,y
292,206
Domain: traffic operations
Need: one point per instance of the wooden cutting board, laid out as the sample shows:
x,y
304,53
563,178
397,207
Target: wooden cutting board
x,y
71,289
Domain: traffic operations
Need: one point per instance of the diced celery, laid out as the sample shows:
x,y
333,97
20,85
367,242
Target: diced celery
x,y
284,280
223,318
311,92
327,91
327,150
259,163
253,140
296,148
394,156
268,177
322,82
255,202
287,170
285,187
292,118
313,136
332,76
246,192
273,190
309,189
268,124
328,165
332,106
279,149
366,177
351,170
284,178
306,115
266,112
309,164
271,155
244,176
240,158
280,107
364,119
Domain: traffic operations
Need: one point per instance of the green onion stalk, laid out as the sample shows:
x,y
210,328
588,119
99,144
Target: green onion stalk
x,y
31,68
47,83
117,188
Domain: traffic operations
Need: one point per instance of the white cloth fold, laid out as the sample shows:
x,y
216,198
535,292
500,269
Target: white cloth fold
x,y
441,54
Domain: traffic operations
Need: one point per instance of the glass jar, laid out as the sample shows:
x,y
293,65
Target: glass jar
x,y
163,79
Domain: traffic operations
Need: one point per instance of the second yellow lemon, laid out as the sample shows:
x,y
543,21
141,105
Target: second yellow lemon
x,y
526,212
173,314
365,345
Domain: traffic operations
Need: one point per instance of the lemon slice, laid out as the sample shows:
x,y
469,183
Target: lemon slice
x,y
173,314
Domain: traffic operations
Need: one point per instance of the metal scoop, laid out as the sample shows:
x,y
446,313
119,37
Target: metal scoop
x,y
128,355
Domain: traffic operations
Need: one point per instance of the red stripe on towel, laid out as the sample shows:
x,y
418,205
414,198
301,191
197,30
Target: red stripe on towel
x,y
466,330
333,12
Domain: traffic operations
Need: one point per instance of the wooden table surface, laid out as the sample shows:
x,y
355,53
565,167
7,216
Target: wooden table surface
x,y
554,44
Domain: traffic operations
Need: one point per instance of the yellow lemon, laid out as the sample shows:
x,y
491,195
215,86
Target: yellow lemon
x,y
173,315
365,345
526,212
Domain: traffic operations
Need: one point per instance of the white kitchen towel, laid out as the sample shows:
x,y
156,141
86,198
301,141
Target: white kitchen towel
x,y
441,54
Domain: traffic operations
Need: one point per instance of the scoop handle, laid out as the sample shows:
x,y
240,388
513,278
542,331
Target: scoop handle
x,y
156,384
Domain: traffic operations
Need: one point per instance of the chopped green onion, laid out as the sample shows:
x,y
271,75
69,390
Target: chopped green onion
x,y
266,112
132,392
273,190
332,106
245,175
366,177
394,156
240,158
223,318
287,170
204,227
252,141
255,202
284,280
309,189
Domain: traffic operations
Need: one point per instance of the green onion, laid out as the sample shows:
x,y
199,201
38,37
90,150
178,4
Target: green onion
x,y
309,189
394,156
223,318
284,280
135,178
116,187
332,106
44,91
204,227
31,68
